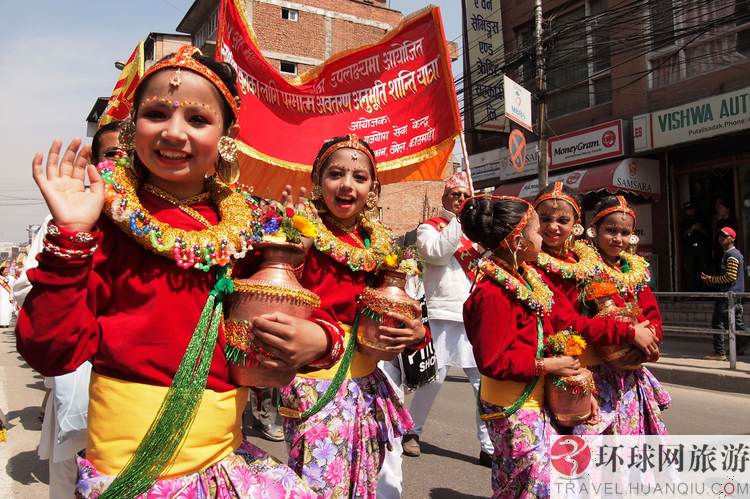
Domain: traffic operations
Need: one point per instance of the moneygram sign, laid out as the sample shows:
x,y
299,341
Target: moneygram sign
x,y
596,143
717,115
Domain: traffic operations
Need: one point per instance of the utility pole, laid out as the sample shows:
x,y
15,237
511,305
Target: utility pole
x,y
541,98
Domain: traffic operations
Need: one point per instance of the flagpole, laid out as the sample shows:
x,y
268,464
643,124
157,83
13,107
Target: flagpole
x,y
466,162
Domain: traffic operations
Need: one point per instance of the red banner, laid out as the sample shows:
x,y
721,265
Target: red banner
x,y
397,94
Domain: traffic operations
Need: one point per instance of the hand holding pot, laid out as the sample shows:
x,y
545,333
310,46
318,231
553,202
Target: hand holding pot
x,y
562,365
291,342
397,339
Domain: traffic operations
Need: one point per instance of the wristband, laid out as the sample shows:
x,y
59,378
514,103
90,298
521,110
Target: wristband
x,y
336,350
539,367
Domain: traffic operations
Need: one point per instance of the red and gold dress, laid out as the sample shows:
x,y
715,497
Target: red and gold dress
x,y
132,313
339,449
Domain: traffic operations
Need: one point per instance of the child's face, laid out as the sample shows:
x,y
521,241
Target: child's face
x,y
533,240
556,219
346,180
178,130
613,234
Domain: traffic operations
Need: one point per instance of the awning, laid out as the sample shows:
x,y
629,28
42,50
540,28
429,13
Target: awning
x,y
635,175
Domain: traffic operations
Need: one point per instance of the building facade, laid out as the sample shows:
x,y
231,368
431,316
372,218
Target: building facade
x,y
645,99
297,36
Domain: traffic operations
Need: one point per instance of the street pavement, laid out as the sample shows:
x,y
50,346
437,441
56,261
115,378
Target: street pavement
x,y
448,467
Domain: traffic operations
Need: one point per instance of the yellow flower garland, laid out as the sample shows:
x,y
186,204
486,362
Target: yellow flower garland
x,y
538,298
588,263
358,259
231,237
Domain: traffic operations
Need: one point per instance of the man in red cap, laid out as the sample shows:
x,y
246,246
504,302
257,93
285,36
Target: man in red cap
x,y
732,278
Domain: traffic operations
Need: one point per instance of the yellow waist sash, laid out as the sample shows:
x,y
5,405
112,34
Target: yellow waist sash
x,y
120,413
361,365
590,357
505,393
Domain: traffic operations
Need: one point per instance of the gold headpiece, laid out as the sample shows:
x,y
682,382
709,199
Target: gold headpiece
x,y
557,193
352,142
183,59
622,206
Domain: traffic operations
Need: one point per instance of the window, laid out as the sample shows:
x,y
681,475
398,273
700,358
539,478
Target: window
x,y
577,74
207,31
694,37
288,67
289,14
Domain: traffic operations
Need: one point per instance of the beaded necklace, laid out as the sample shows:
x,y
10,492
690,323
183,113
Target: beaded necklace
x,y
634,275
201,249
534,293
358,259
586,266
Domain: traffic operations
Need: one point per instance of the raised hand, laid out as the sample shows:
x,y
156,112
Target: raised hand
x,y
62,183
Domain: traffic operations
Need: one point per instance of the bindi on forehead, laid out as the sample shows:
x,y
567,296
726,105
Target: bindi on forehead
x,y
175,104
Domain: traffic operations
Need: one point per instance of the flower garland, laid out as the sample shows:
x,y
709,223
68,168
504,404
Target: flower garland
x,y
201,249
358,259
536,294
634,275
587,265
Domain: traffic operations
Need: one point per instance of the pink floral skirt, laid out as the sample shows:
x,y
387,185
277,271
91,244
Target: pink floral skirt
x,y
248,472
520,463
339,451
631,403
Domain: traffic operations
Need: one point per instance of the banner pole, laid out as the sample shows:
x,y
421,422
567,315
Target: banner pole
x,y
466,162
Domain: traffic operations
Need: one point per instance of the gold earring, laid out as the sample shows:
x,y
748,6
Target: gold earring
x,y
317,198
577,230
371,206
126,135
567,244
591,232
228,169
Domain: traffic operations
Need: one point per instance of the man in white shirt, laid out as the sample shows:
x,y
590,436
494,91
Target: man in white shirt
x,y
449,259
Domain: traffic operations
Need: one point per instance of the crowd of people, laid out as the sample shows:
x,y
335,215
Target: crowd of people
x,y
124,293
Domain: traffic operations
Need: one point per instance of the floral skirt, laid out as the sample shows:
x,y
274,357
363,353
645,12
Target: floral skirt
x,y
520,464
339,451
631,403
248,472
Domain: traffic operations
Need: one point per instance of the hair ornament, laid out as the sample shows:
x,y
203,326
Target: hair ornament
x,y
591,232
353,142
557,193
522,223
183,59
622,206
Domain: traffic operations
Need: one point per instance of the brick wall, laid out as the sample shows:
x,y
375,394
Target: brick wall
x,y
305,37
348,35
407,204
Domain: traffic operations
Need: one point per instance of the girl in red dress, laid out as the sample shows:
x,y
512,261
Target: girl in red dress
x,y
568,266
629,393
507,317
139,292
339,421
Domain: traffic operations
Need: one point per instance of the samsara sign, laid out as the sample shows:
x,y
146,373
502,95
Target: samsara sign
x,y
584,146
716,115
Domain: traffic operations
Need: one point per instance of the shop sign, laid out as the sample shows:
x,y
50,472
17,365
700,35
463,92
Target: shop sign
x,y
637,175
584,146
571,179
709,117
517,103
485,166
508,171
486,58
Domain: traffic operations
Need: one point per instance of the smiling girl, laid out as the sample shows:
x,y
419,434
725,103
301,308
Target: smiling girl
x,y
139,291
568,266
340,421
633,398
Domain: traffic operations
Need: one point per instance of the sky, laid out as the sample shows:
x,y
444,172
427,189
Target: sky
x,y
58,57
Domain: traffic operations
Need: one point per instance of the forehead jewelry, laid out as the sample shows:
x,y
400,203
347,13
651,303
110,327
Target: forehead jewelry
x,y
176,80
355,156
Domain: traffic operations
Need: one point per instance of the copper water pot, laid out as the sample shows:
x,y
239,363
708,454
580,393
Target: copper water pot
x,y
571,405
374,303
624,356
273,288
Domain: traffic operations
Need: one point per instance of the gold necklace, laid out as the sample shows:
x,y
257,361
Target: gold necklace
x,y
587,266
182,205
538,298
201,249
633,279
358,259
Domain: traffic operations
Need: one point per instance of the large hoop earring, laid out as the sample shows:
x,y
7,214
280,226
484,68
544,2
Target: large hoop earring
x,y
228,169
126,135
